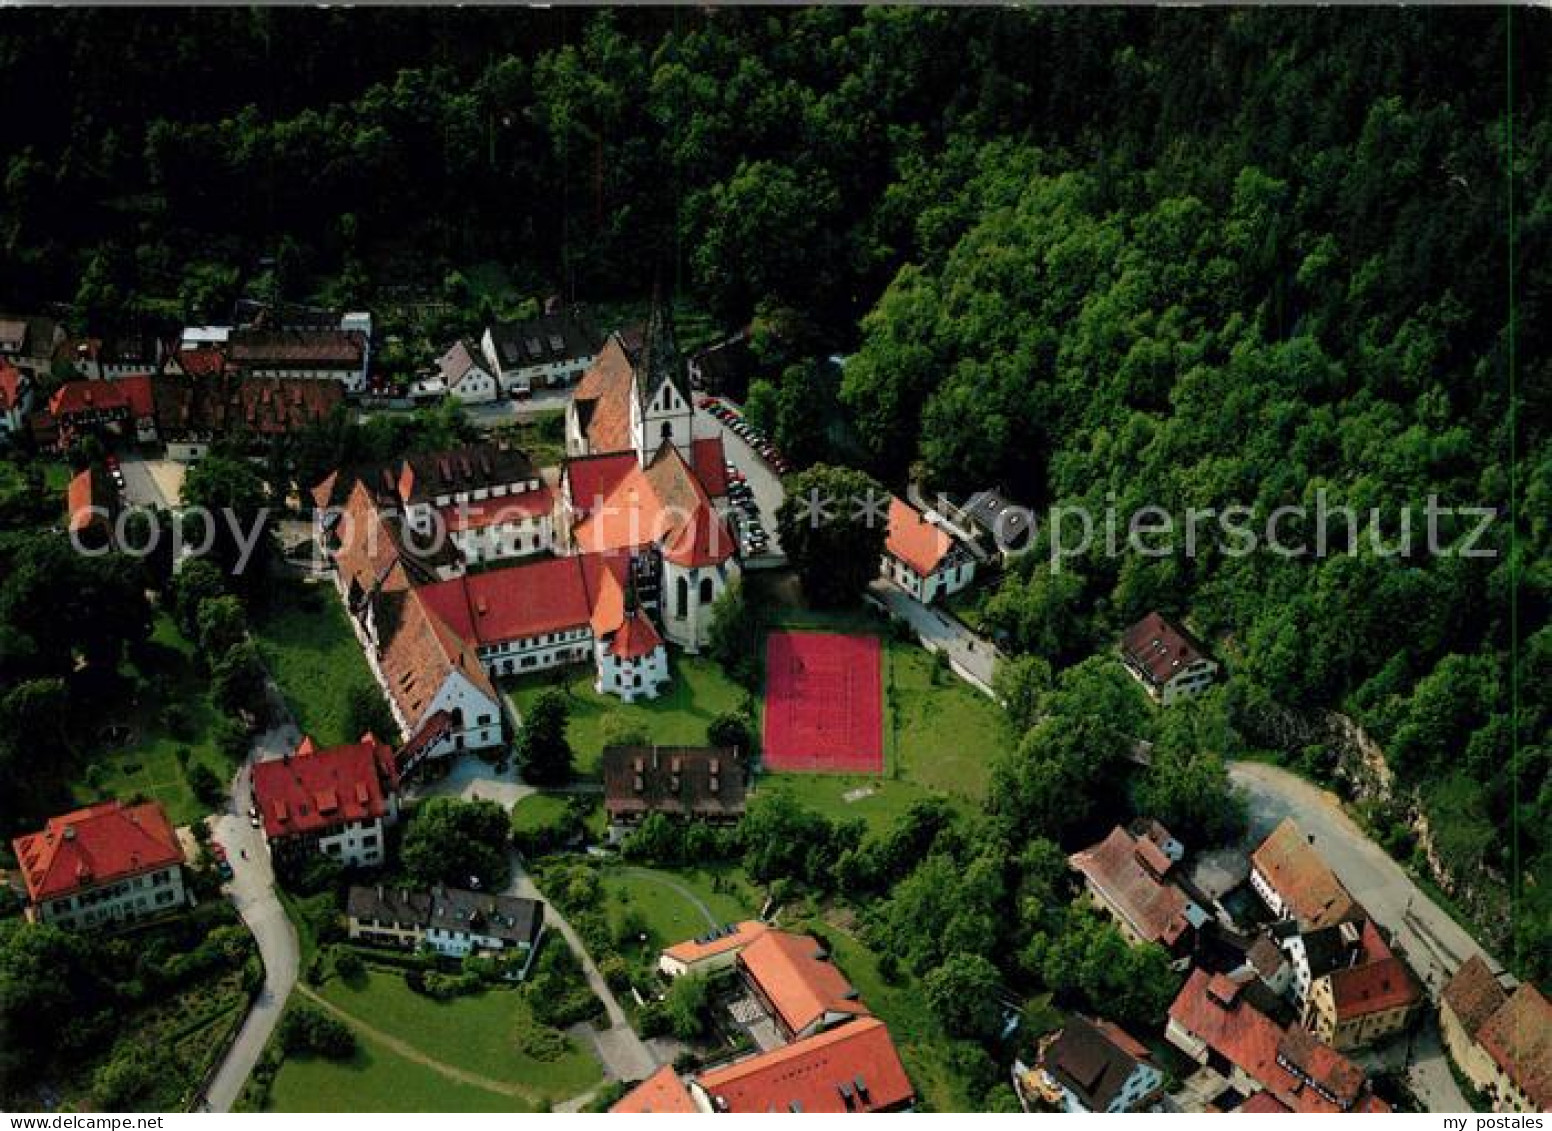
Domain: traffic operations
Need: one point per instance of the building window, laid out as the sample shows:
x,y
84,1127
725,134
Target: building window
x,y
682,597
667,430
706,590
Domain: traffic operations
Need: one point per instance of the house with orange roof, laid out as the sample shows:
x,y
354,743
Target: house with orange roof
x,y
1215,1022
716,950
661,1093
15,397
1367,998
922,557
853,1068
1500,1041
102,866
90,510
1134,879
337,801
1294,881
793,978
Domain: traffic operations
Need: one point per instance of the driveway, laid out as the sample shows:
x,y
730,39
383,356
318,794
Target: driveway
x,y
622,1053
761,476
252,892
1433,943
974,657
141,486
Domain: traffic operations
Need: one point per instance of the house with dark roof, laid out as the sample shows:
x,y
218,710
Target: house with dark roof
x,y
454,922
339,353
193,412
1134,879
1216,1022
1500,1041
999,523
704,783
1295,882
32,343
724,368
551,350
102,866
1097,1066
336,801
1169,662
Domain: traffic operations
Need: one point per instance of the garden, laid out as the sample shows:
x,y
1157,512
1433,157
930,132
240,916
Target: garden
x,y
312,654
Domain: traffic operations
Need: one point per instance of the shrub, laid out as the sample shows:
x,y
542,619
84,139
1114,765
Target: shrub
x,y
306,1029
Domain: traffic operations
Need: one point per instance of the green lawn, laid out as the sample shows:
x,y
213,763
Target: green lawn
x,y
309,648
885,801
667,914
375,1079
697,693
148,765
945,734
481,1033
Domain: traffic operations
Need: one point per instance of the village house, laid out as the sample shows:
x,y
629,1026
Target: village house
x,y
341,354
92,508
1134,878
851,1069
661,1093
1168,662
1295,883
723,368
706,954
124,408
114,358
193,411
1356,1006
1216,1022
463,374
1000,524
338,802
15,397
1501,1042
102,866
551,350
799,987
923,558
1096,1066
703,783
31,343
451,921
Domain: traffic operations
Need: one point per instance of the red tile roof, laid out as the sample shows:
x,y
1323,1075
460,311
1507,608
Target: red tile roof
x,y
514,603
1372,987
1311,891
1264,1103
1213,1008
635,638
592,479
1519,1039
298,349
851,1068
602,399
710,460
522,507
694,950
80,497
1128,872
130,394
796,978
914,540
202,361
314,790
97,845
663,504
1159,648
1474,994
660,1092
10,386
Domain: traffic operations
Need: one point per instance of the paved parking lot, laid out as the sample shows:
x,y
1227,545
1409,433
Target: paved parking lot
x,y
761,477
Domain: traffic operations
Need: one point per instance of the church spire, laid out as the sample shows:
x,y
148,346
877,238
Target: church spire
x,y
660,360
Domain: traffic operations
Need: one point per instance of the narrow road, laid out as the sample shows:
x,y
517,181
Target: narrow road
x,y
974,657
622,1052
761,477
1432,943
252,892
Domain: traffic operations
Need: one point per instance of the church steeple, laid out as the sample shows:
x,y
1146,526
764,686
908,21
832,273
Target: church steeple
x,y
660,359
663,411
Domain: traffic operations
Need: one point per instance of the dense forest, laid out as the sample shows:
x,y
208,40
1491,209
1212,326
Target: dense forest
x,y
1109,258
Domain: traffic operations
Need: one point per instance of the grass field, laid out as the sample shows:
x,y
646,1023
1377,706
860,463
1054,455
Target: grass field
x,y
309,648
376,1079
480,1033
945,735
149,765
697,693
666,913
837,795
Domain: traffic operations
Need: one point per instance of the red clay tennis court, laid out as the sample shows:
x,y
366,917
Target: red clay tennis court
x,y
823,703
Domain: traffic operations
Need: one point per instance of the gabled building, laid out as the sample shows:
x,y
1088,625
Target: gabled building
x,y
15,397
194,411
1294,881
31,343
451,921
123,408
551,350
102,866
661,1093
338,354
337,802
463,374
850,1069
1133,879
802,990
1097,1066
923,558
717,949
1214,1021
704,783
1501,1042
1001,525
1166,660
